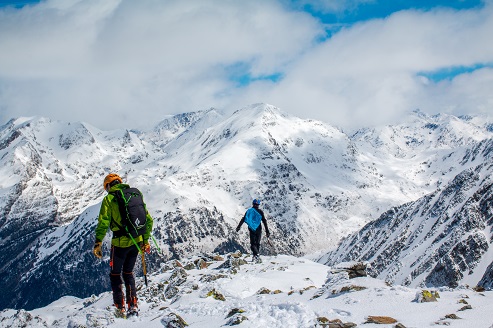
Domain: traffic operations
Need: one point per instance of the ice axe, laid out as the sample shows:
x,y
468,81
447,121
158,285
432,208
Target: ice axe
x,y
144,268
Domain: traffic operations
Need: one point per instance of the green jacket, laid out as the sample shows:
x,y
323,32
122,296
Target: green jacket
x,y
110,213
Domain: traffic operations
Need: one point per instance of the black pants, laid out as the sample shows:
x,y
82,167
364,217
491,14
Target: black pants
x,y
122,264
255,236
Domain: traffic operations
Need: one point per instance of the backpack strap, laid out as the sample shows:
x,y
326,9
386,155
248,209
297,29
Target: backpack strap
x,y
121,206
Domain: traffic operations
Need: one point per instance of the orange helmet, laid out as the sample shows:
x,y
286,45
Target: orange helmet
x,y
110,178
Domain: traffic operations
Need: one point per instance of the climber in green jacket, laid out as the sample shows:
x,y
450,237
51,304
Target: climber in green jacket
x,y
124,247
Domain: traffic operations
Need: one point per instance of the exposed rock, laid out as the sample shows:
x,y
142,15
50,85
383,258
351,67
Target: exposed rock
x,y
236,320
23,318
353,269
155,292
380,320
465,307
201,264
189,266
212,277
235,311
452,316
178,277
173,320
232,263
479,289
350,288
426,296
216,295
442,323
336,323
263,290
217,258
399,325
300,291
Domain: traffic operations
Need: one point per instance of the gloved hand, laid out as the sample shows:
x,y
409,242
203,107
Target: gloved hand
x,y
97,251
146,248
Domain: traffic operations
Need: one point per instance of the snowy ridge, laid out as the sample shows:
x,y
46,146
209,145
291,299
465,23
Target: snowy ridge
x,y
199,172
283,291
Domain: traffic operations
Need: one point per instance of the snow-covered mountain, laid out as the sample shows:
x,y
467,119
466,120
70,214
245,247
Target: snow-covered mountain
x,y
199,172
283,291
443,238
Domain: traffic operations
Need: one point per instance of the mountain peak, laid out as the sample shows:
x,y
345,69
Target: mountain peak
x,y
260,109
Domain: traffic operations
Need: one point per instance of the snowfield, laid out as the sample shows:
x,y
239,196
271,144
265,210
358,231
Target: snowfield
x,y
282,291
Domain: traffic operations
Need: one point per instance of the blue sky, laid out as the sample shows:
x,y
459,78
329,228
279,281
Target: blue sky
x,y
346,62
16,4
381,9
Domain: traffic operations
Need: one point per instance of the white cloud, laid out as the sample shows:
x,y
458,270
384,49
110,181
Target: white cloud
x,y
130,63
367,74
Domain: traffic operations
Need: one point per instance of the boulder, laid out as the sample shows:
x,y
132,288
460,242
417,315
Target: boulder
x,y
353,269
263,291
201,264
178,277
234,311
452,316
336,323
216,295
173,320
465,307
427,296
378,319
236,320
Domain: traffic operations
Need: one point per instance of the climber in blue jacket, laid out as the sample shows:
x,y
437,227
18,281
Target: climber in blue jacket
x,y
253,216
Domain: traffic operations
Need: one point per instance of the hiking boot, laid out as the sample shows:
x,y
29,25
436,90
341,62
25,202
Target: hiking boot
x,y
120,312
256,259
133,309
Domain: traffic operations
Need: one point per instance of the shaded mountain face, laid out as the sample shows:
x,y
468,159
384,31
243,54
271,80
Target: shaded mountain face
x,y
442,239
199,173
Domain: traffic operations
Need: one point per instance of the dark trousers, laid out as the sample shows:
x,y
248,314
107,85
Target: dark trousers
x,y
122,265
255,236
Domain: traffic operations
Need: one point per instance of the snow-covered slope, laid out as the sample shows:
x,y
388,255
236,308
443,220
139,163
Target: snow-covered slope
x,y
199,172
283,291
444,238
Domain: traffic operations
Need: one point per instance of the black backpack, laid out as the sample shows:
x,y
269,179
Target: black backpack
x,y
132,211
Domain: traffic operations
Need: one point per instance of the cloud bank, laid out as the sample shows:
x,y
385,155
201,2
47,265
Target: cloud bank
x,y
123,63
